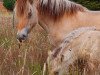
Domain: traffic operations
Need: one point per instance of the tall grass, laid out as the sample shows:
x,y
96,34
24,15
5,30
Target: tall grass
x,y
29,59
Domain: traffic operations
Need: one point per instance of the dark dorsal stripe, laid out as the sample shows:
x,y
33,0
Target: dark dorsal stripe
x,y
57,52
69,38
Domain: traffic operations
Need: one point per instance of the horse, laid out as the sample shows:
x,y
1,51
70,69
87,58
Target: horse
x,y
80,48
57,17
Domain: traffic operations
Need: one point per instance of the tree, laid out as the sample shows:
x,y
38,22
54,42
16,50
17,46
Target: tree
x,y
90,4
9,4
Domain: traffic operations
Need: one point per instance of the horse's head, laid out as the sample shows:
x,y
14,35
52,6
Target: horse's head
x,y
26,15
53,65
56,64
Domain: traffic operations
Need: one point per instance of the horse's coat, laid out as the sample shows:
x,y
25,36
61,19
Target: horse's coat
x,y
82,49
70,37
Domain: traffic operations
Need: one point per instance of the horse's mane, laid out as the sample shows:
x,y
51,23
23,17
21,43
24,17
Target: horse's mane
x,y
57,8
51,8
21,6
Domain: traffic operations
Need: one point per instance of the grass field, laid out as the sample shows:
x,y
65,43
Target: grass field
x,y
29,59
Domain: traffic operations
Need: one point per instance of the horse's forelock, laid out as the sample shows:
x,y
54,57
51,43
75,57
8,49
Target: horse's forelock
x,y
21,6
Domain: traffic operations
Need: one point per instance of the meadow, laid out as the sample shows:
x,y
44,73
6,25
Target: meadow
x,y
29,58
32,54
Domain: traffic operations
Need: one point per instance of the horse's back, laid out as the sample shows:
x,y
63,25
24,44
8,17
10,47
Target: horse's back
x,y
90,42
85,50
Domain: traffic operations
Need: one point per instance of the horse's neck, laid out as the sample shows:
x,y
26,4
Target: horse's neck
x,y
50,28
58,31
89,18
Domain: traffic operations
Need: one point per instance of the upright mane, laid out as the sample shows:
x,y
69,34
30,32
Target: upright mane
x,y
21,6
57,8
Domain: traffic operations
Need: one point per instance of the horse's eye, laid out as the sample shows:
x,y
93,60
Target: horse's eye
x,y
29,15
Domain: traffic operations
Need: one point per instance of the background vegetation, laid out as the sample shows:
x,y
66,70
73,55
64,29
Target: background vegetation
x,y
30,57
9,4
90,4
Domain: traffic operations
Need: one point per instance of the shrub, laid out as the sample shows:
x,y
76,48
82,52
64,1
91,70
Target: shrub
x,y
90,4
9,4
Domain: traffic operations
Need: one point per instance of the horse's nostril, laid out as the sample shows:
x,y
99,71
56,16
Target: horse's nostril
x,y
24,36
21,38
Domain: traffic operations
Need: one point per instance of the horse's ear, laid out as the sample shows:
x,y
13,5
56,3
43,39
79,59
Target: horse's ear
x,y
49,52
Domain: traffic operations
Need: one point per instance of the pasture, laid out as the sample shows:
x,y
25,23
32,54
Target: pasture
x,y
29,59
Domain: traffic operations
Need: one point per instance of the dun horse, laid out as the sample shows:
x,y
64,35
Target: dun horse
x,y
58,18
80,48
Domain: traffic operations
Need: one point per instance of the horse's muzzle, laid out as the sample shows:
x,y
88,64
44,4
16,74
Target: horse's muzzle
x,y
21,38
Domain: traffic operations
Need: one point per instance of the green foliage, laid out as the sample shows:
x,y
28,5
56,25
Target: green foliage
x,y
9,4
90,4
